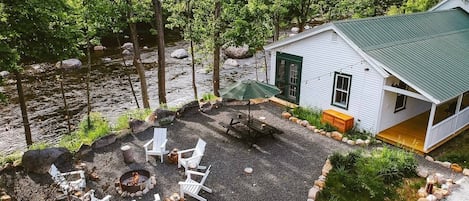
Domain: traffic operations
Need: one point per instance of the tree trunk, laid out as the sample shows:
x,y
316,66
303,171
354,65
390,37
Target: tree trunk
x,y
216,50
67,114
128,76
137,62
276,21
24,111
194,86
161,56
88,97
266,69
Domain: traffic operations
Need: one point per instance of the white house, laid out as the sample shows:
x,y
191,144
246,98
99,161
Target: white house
x,y
404,78
449,4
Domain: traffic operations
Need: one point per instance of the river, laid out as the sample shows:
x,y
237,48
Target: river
x,y
110,92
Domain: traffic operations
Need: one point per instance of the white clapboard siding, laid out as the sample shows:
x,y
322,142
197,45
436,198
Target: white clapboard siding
x,y
322,56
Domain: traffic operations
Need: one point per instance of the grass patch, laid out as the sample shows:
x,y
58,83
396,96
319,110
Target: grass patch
x,y
376,176
209,97
123,119
312,115
39,146
11,158
409,188
355,134
84,135
455,151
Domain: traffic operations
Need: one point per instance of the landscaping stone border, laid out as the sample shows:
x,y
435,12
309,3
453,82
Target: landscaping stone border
x,y
336,135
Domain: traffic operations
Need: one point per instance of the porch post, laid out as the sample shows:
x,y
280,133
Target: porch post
x,y
429,127
458,104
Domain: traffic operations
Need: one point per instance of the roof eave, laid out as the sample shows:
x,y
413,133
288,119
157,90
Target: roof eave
x,y
438,5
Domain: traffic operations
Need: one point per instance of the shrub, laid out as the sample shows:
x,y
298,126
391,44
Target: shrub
x,y
374,177
11,158
123,119
84,135
355,134
39,146
456,156
208,97
312,115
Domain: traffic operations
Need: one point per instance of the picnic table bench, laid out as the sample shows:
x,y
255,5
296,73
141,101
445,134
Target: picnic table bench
x,y
255,128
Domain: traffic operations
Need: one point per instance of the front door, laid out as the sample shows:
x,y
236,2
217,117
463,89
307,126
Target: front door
x,y
288,76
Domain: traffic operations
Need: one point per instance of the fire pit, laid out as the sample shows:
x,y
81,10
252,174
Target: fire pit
x,y
135,183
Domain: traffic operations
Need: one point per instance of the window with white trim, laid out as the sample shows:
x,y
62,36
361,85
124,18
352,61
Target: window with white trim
x,y
341,93
401,99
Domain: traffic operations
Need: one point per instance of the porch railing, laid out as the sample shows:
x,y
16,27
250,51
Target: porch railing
x,y
447,127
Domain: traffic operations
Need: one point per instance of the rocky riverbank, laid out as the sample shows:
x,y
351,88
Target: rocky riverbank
x,y
110,91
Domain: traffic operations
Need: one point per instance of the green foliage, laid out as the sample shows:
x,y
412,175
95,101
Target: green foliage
x,y
123,119
209,97
375,177
84,135
11,158
355,134
39,146
312,115
456,156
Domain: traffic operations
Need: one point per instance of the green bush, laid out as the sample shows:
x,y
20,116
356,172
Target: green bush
x,y
39,146
374,177
209,97
355,134
84,135
11,158
456,156
312,115
123,119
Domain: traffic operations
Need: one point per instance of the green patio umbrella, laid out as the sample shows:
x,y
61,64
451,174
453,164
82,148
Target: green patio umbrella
x,y
249,89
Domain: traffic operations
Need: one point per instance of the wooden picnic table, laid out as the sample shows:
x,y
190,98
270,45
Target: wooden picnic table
x,y
255,127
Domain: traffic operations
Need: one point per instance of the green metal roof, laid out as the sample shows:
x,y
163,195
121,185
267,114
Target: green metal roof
x,y
430,50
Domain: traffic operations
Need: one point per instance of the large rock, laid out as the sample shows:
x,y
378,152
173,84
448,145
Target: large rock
x,y
231,62
179,54
104,141
128,46
186,108
69,63
295,30
4,74
138,126
238,52
99,48
165,116
39,161
456,168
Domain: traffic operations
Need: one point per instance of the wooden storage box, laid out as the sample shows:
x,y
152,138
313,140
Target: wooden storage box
x,y
341,121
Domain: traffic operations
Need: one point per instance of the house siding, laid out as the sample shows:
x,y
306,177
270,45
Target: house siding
x,y
452,4
322,57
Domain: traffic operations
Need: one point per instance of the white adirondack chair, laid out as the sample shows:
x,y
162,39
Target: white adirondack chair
x,y
194,160
91,196
159,144
192,187
65,185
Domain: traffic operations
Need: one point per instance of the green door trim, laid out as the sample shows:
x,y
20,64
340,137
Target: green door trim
x,y
289,59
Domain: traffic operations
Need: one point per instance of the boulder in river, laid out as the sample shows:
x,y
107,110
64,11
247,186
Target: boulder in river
x,y
238,52
179,54
4,74
128,46
69,64
39,161
99,48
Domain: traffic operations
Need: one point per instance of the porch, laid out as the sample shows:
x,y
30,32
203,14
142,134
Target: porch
x,y
411,134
